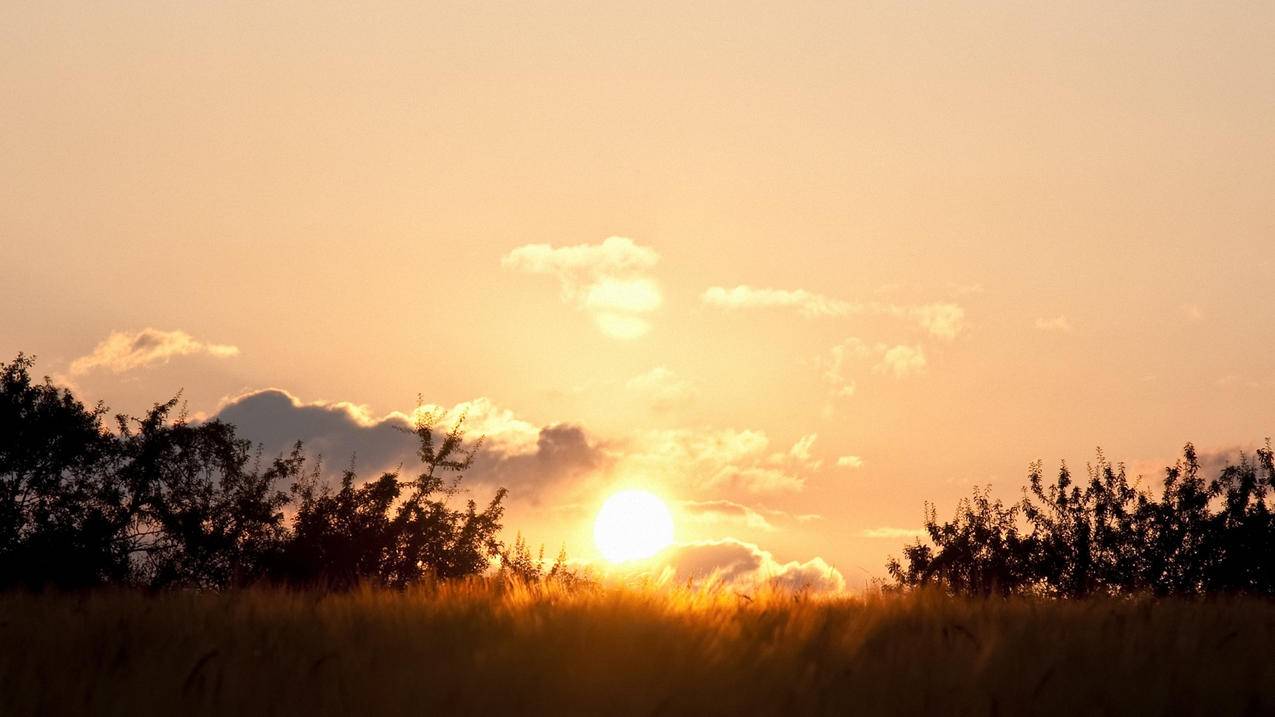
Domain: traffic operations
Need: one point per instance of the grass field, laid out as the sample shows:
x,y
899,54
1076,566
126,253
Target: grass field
x,y
476,649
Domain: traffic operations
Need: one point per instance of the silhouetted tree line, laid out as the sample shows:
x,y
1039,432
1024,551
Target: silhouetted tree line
x,y
160,501
1105,535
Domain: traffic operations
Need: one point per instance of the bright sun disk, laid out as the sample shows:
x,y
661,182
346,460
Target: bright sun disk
x,y
631,525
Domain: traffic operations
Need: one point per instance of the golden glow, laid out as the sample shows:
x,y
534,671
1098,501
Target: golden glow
x,y
631,525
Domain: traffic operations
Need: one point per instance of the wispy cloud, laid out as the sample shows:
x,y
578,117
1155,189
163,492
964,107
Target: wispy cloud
x,y
849,462
725,511
1058,323
901,361
711,461
943,320
807,303
892,533
127,350
662,388
610,281
836,368
801,450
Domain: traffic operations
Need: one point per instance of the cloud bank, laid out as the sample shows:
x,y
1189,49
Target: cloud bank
x,y
515,454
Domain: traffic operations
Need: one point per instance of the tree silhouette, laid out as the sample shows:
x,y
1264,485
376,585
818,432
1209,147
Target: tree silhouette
x,y
161,501
1106,536
979,552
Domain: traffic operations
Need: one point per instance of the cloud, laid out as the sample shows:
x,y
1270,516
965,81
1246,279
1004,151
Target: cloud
x,y
836,366
901,361
729,511
807,303
893,533
1192,312
943,320
1059,323
662,388
849,462
737,563
609,281
725,511
515,454
563,453
708,461
124,350
801,449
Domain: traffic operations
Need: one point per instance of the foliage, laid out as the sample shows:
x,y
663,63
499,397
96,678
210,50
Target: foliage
x,y
1106,536
517,566
161,501
981,551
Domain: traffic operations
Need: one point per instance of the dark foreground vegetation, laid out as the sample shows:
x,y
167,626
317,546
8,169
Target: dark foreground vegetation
x,y
162,502
474,648
1106,535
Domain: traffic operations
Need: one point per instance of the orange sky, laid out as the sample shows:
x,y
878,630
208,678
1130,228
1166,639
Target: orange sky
x,y
943,241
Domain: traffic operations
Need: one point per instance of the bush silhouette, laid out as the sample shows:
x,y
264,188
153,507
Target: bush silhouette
x,y
1106,536
160,501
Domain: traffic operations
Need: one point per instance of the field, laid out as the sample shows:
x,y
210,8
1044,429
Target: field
x,y
478,649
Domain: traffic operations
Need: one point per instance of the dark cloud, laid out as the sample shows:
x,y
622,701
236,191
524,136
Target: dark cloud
x,y
276,420
343,432
562,452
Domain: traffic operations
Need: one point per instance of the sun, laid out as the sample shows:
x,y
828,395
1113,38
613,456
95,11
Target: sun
x,y
631,525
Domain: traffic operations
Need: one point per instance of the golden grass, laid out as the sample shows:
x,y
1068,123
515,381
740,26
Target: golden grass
x,y
477,649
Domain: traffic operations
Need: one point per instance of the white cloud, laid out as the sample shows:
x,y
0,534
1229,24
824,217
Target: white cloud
x,y
609,281
708,461
737,563
127,350
943,320
893,533
899,361
807,303
662,388
801,449
1058,323
836,366
902,361
849,462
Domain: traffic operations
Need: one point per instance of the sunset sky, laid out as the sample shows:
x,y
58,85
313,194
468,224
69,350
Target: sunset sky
x,y
795,270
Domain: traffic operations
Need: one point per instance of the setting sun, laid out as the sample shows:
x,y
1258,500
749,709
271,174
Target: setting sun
x,y
631,525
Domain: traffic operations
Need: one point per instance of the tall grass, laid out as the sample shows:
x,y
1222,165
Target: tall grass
x,y
477,648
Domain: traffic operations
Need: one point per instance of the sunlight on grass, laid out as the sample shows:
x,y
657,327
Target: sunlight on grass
x,y
483,648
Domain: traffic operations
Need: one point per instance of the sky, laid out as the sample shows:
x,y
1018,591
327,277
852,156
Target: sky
x,y
794,268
